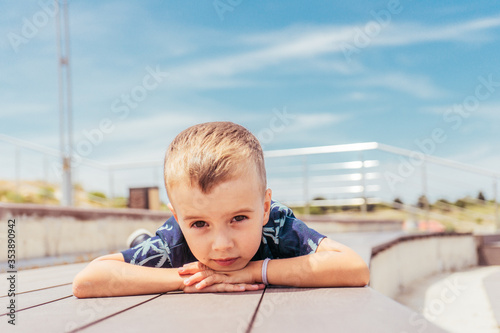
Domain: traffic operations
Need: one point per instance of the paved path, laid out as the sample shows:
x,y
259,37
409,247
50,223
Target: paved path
x,y
466,301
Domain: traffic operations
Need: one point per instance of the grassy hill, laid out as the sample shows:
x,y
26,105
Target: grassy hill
x,y
40,192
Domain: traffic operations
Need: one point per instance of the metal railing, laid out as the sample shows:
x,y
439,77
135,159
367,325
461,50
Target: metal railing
x,y
378,173
360,174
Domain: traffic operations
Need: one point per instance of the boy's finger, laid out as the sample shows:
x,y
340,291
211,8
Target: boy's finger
x,y
186,270
216,288
225,287
222,288
230,287
211,280
233,287
197,277
192,267
258,286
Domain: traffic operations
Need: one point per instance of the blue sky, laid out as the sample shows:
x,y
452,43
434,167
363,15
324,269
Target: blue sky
x,y
343,72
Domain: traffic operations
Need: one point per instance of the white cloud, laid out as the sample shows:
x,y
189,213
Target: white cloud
x,y
14,110
485,110
416,85
484,155
489,111
300,129
149,136
163,124
292,46
302,49
315,121
407,34
360,96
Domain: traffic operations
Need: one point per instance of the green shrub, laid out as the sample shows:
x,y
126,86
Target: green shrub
x,y
46,193
97,194
119,202
15,197
461,203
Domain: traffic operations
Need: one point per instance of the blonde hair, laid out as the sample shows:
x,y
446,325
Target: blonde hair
x,y
210,153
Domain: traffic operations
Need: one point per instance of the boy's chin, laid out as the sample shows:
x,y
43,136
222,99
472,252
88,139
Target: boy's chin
x,y
235,267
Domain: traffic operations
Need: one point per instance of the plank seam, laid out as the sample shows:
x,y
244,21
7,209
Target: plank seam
x,y
34,306
250,326
112,315
45,288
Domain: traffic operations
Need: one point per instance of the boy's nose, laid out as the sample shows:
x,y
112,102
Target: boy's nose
x,y
222,242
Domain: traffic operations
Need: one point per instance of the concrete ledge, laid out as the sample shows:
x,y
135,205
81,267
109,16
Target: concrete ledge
x,y
395,265
83,214
51,232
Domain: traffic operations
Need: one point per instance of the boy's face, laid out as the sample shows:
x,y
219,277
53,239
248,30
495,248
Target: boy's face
x,y
224,227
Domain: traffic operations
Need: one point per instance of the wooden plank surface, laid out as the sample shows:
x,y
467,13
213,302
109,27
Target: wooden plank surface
x,y
44,308
68,314
45,304
35,298
179,312
335,310
39,278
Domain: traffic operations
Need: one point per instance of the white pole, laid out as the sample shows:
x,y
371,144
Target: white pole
x,y
306,186
18,170
65,112
495,198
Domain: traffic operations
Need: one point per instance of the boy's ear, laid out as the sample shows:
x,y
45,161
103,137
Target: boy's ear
x,y
169,205
267,205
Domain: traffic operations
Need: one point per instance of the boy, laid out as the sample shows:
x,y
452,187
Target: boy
x,y
224,230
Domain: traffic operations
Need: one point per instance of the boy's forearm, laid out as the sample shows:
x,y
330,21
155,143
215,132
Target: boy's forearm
x,y
103,278
323,269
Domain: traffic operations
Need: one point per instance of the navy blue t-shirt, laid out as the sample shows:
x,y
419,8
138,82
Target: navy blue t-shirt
x,y
283,236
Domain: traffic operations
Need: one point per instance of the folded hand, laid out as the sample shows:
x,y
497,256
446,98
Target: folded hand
x,y
204,279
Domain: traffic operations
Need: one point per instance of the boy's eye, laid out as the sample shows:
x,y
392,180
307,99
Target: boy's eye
x,y
198,224
239,218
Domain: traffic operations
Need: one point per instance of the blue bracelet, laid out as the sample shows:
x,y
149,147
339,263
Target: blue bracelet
x,y
264,271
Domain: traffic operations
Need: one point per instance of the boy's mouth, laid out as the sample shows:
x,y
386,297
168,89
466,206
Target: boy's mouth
x,y
225,261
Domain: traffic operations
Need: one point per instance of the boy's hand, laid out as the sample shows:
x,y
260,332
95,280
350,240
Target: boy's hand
x,y
204,279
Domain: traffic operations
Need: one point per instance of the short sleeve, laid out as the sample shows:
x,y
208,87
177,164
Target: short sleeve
x,y
167,249
153,252
297,239
285,236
